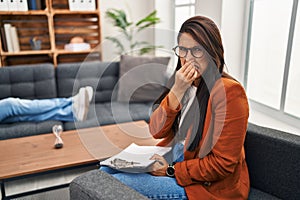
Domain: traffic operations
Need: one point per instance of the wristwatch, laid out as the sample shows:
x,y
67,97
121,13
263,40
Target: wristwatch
x,y
171,170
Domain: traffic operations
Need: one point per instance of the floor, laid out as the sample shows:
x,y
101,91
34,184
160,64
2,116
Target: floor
x,y
38,182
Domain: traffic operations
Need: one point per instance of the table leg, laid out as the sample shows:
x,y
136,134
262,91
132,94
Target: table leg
x,y
2,189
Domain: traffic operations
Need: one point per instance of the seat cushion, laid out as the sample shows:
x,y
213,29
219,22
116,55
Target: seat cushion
x,y
111,113
273,161
22,129
260,195
99,185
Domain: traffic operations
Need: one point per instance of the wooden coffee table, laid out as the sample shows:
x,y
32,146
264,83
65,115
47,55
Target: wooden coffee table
x,y
27,156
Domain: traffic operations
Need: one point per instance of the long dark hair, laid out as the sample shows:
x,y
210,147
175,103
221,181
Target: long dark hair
x,y
205,32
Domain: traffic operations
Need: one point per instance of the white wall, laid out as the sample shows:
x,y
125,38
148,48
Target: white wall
x,y
211,9
229,15
234,23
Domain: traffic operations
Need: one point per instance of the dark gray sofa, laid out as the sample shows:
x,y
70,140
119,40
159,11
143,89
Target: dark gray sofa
x,y
39,81
273,159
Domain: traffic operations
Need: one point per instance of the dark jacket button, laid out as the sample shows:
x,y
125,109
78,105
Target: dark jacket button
x,y
207,183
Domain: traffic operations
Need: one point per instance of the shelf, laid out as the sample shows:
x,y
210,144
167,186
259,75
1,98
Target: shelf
x,y
22,53
54,26
29,12
76,52
67,11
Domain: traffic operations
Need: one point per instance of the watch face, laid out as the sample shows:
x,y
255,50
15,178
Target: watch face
x,y
170,171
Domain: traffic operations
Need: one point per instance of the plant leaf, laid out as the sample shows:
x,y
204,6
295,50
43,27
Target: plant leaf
x,y
119,18
117,43
149,20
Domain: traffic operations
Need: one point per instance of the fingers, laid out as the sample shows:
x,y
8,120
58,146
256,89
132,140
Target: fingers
x,y
188,71
160,162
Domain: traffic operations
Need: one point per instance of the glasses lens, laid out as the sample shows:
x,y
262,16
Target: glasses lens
x,y
197,52
180,51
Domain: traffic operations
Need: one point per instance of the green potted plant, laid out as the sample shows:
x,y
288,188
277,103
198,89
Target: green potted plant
x,y
129,30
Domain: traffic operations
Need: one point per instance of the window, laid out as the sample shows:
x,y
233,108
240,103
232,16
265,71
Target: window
x,y
184,9
272,67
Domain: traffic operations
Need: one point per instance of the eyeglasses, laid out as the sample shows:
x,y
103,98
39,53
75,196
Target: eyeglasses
x,y
182,52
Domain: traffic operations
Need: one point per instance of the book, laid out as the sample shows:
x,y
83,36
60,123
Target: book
x,y
14,39
38,4
32,5
3,5
12,5
72,5
90,5
22,5
3,39
135,158
8,37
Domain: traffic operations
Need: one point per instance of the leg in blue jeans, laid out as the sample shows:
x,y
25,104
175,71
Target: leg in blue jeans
x,y
154,187
16,110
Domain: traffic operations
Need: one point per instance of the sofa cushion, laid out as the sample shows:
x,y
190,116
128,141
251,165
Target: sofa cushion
x,y
141,78
22,129
35,81
111,113
273,160
99,185
102,76
256,194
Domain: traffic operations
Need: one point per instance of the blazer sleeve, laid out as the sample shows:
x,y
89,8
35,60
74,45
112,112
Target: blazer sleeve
x,y
229,121
161,121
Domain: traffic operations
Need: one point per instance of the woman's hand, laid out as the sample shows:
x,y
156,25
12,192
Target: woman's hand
x,y
185,76
160,166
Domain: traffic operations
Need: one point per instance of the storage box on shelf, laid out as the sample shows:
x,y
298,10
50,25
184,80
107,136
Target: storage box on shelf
x,y
43,33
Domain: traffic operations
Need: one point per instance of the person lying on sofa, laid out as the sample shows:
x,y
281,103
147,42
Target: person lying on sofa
x,y
204,117
61,109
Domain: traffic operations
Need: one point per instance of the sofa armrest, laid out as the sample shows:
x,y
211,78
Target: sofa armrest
x,y
97,184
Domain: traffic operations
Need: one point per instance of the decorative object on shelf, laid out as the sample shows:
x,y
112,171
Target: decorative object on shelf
x,y
129,30
36,43
77,44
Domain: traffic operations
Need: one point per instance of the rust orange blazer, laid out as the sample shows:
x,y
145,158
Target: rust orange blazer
x,y
217,168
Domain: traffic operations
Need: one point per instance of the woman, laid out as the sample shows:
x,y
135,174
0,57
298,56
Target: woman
x,y
204,117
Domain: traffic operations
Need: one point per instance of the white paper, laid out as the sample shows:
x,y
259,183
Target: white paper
x,y
138,157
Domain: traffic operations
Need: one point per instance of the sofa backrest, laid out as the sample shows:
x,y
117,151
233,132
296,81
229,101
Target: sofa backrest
x,y
34,81
273,159
102,76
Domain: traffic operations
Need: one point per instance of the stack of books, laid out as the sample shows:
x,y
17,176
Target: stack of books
x,y
10,38
22,5
13,5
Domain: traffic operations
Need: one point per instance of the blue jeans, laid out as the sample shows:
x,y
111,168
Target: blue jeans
x,y
18,110
153,187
